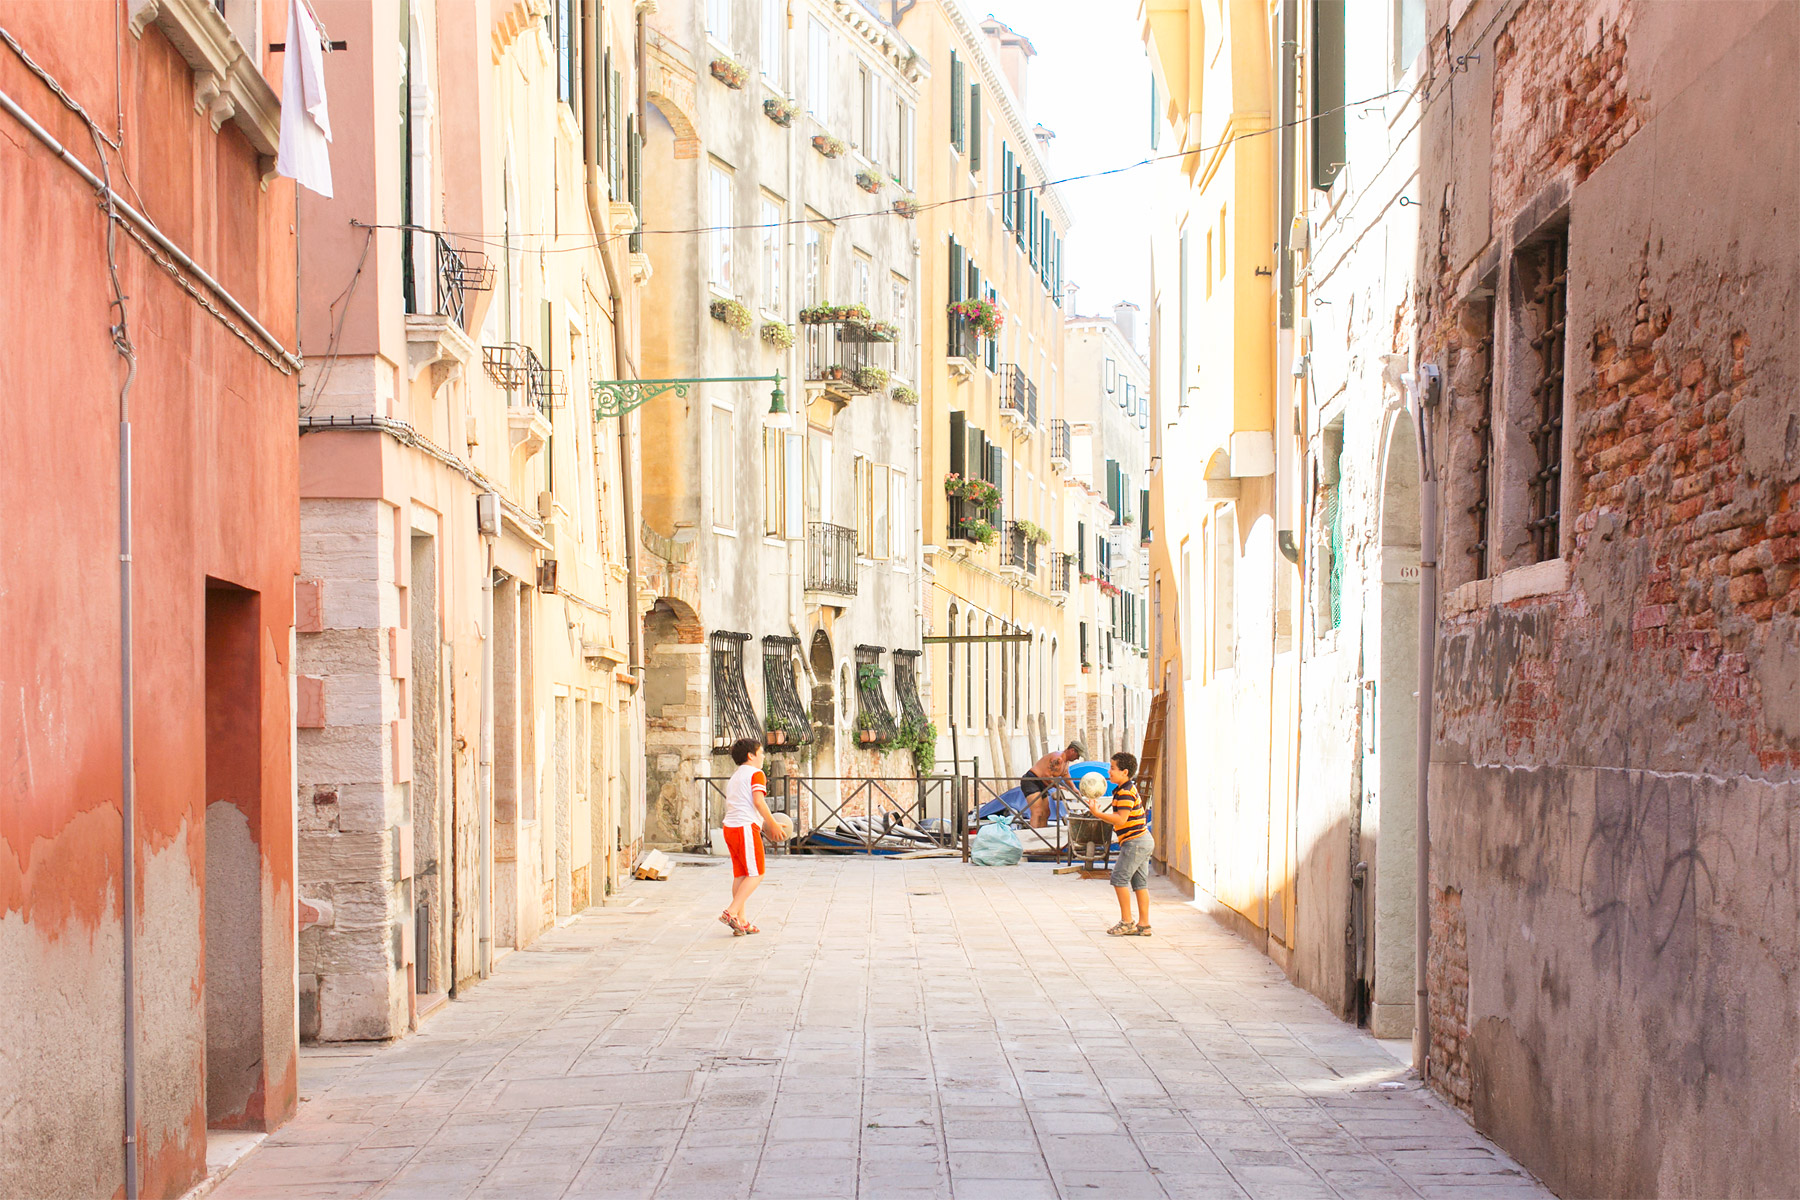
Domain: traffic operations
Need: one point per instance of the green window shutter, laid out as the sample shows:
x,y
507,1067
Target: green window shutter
x,y
975,138
959,443
956,271
1155,116
956,101
1144,513
634,179
1329,144
1006,188
1081,546
1019,203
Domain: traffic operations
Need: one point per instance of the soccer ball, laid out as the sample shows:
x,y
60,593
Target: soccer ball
x,y
783,824
1093,785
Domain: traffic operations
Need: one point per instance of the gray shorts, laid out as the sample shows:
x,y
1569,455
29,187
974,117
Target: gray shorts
x,y
1131,863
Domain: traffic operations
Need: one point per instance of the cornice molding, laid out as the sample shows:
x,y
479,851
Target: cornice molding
x,y
228,84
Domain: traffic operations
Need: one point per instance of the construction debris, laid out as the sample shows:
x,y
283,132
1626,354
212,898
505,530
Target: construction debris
x,y
655,865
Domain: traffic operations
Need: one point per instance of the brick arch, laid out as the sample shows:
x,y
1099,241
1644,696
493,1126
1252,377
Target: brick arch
x,y
687,137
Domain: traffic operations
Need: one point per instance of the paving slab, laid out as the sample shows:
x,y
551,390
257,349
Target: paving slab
x,y
898,1029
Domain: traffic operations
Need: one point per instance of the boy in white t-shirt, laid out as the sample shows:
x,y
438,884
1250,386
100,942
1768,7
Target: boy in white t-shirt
x,y
746,814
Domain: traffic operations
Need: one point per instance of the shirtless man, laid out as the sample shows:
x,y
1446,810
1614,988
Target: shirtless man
x,y
1049,770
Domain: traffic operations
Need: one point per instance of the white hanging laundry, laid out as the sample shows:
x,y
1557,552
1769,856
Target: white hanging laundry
x,y
305,153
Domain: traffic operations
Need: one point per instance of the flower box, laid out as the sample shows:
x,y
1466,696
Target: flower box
x,y
778,334
869,181
733,314
780,110
870,379
828,314
829,146
904,394
906,206
730,72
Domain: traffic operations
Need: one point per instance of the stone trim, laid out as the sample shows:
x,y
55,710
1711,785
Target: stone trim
x,y
228,84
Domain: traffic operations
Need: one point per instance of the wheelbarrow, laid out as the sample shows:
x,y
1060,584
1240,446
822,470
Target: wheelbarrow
x,y
1089,837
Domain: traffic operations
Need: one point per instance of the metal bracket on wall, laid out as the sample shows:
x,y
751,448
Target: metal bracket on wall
x,y
616,397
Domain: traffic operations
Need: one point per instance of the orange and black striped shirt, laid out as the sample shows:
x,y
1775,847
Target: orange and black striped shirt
x,y
1125,803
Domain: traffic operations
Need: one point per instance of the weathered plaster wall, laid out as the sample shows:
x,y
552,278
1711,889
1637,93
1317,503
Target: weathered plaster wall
x,y
1613,797
214,497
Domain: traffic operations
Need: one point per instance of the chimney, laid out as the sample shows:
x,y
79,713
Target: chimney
x,y
1125,317
1012,52
1070,288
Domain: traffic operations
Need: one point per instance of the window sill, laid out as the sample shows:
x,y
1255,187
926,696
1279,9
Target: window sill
x,y
228,83
725,531
1547,578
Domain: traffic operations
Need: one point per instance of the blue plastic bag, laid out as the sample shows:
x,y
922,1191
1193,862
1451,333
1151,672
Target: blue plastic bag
x,y
996,845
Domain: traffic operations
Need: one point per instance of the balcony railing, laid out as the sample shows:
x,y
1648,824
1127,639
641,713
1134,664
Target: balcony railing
x,y
459,272
846,358
830,559
1062,570
1017,551
962,513
1018,395
964,341
1059,443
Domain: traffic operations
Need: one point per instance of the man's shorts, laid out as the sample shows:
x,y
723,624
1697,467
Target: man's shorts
x,y
746,846
1131,863
1031,785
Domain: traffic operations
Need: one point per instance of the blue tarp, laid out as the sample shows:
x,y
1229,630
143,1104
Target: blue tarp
x,y
1013,800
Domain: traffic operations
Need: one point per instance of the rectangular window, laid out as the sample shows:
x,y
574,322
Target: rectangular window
x,y
718,214
568,55
1481,509
1543,275
774,42
718,21
1109,376
862,486
724,478
1155,115
1006,194
1225,589
812,263
793,502
818,70
819,480
861,287
865,115
900,297
1409,35
956,101
897,514
774,483
908,167
880,489
771,232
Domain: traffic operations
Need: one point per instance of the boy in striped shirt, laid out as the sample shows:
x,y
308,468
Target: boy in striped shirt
x,y
1131,868
747,815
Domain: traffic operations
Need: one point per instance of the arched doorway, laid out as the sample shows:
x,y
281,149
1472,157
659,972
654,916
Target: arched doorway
x,y
676,741
1390,814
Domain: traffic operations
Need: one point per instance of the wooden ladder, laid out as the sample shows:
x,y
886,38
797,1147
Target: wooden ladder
x,y
1151,759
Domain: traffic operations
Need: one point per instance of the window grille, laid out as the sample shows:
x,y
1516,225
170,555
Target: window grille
x,y
870,702
1546,279
906,687
733,717
780,697
1484,451
1334,525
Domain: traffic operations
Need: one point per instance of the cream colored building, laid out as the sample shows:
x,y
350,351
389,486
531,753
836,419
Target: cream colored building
x,y
469,745
1106,426
782,550
994,233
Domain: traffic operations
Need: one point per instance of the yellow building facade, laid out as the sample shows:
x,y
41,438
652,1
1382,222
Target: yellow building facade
x,y
1222,584
998,561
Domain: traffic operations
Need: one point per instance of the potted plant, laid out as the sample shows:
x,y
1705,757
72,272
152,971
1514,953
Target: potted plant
x,y
778,334
981,493
1034,533
827,145
860,329
780,110
904,394
906,206
984,315
955,486
979,531
730,72
867,732
869,181
733,314
869,379
777,727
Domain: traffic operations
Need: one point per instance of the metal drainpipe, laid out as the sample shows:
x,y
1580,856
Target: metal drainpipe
x,y
1428,546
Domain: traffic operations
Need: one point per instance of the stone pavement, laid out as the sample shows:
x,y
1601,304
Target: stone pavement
x,y
898,1029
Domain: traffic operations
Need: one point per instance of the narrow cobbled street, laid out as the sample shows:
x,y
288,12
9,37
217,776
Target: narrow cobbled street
x,y
898,1029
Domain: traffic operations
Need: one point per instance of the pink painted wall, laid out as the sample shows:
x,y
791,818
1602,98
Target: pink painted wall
x,y
216,496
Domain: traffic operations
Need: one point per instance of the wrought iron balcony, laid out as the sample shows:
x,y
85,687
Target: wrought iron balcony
x,y
965,343
459,272
830,559
1018,396
971,522
517,368
1017,551
847,357
1062,570
1059,444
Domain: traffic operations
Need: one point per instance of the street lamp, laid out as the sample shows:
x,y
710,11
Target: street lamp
x,y
616,397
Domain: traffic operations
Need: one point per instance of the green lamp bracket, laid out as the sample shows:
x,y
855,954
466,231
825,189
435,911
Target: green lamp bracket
x,y
616,397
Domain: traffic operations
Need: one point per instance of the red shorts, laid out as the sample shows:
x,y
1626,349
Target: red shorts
x,y
746,846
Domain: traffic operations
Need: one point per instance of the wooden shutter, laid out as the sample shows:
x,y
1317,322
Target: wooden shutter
x,y
959,444
1329,143
956,101
1081,546
975,138
956,271
1006,185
